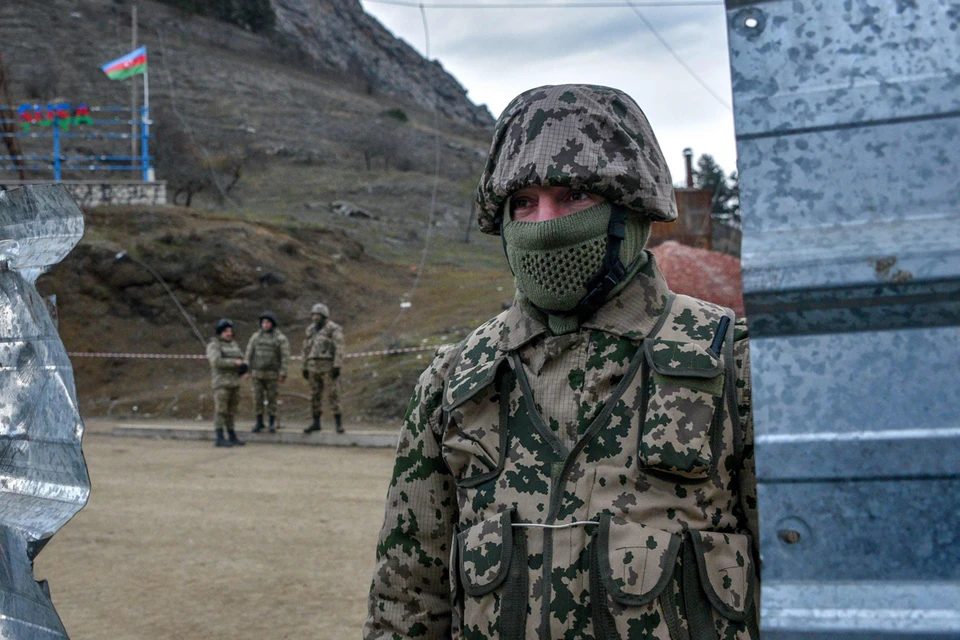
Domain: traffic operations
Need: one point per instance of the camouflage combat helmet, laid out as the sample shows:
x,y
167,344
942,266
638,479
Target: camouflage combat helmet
x,y
585,137
320,309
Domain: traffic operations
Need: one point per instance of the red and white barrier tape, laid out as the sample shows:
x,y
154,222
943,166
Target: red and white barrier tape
x,y
193,356
145,356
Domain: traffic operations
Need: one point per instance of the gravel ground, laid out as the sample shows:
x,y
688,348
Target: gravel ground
x,y
183,540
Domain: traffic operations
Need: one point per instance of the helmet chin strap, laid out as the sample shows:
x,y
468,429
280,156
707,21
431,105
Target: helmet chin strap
x,y
610,274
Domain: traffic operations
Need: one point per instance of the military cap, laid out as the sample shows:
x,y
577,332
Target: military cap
x,y
321,309
595,139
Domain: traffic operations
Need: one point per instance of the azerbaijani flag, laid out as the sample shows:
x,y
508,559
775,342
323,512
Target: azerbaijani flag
x,y
132,64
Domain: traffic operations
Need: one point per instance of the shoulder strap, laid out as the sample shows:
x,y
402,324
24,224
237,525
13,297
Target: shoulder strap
x,y
730,390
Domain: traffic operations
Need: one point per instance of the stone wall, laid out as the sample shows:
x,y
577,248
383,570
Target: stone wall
x,y
99,194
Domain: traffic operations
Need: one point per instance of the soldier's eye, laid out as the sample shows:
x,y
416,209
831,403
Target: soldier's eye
x,y
521,203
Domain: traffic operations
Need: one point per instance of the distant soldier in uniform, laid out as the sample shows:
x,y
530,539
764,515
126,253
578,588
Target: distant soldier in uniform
x,y
268,353
227,367
322,358
580,466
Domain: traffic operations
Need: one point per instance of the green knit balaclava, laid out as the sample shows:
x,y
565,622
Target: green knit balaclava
x,y
553,260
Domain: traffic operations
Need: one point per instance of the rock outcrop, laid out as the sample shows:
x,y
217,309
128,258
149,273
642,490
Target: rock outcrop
x,y
338,34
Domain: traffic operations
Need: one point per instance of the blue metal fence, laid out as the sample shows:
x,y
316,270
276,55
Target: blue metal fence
x,y
58,123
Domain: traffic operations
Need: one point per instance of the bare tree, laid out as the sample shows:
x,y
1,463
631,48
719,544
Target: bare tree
x,y
189,169
43,82
379,140
177,159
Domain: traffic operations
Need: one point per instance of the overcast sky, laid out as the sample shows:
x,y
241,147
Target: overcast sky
x,y
497,53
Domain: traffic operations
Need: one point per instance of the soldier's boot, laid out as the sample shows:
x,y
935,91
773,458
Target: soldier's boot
x,y
234,440
315,426
221,441
273,424
259,426
339,420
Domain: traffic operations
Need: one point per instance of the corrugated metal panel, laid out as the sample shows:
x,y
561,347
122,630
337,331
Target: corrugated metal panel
x,y
848,135
43,476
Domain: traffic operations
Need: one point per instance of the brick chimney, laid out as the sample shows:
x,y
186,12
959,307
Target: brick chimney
x,y
688,159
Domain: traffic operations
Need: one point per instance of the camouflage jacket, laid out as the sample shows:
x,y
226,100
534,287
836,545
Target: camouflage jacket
x,y
630,439
325,343
223,367
268,353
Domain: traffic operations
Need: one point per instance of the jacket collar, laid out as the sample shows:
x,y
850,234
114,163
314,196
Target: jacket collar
x,y
632,314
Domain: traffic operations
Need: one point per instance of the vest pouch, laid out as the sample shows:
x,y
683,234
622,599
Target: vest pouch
x,y
492,563
684,391
725,564
474,441
631,565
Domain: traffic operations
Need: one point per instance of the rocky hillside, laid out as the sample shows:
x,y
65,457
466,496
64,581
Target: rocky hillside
x,y
339,35
325,106
55,49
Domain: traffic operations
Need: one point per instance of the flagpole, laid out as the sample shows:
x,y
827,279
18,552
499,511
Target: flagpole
x,y
145,127
133,93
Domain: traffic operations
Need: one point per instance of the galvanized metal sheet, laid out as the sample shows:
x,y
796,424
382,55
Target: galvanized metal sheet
x,y
866,530
832,65
848,136
43,476
887,610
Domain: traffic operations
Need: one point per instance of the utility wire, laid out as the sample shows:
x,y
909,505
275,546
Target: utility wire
x,y
193,325
186,126
408,297
676,56
426,32
549,5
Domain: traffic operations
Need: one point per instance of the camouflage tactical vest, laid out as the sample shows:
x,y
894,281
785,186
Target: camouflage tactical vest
x,y
321,343
266,351
223,369
627,549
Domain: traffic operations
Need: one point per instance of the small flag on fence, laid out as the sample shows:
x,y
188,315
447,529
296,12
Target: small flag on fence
x,y
132,64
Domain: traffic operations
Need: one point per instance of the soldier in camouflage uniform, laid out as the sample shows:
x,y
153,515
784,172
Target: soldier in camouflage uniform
x,y
268,353
227,368
322,359
580,466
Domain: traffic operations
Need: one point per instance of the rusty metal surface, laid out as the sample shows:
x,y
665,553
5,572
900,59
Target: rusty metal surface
x,y
848,137
43,476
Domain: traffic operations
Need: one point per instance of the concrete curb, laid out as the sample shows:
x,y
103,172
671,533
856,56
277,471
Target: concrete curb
x,y
370,439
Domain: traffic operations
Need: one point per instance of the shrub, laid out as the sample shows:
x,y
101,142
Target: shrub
x,y
397,114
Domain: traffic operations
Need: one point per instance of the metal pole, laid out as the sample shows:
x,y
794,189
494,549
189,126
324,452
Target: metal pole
x,y
145,126
56,147
133,90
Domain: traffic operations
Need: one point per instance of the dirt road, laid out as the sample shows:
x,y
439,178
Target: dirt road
x,y
182,540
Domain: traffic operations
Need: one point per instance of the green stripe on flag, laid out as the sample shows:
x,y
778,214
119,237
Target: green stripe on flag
x,y
123,74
